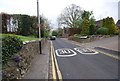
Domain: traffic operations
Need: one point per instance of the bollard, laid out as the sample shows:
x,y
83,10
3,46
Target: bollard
x,y
40,47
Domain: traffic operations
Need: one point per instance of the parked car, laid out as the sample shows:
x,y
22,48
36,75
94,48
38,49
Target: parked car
x,y
52,37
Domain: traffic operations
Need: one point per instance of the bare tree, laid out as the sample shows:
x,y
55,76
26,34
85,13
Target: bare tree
x,y
70,16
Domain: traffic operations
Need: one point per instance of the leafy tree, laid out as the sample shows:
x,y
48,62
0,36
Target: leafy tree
x,y
70,16
45,27
34,27
54,33
85,27
110,24
87,14
88,23
92,29
5,21
24,24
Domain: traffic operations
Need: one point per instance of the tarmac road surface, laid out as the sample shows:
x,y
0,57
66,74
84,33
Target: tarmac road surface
x,y
76,62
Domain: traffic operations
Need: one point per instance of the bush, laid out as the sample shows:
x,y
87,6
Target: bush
x,y
77,35
10,46
102,30
91,29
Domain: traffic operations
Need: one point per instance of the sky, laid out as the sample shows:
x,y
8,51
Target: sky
x,y
51,9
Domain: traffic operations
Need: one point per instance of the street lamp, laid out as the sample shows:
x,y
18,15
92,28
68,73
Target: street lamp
x,y
38,18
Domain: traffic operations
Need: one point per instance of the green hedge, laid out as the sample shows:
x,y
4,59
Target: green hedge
x,y
10,46
102,31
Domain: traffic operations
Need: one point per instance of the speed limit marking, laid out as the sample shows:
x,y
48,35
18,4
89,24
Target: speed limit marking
x,y
86,51
65,52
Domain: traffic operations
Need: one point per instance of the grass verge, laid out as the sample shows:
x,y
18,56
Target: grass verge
x,y
23,38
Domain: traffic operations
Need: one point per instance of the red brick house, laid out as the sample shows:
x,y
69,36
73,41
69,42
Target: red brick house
x,y
70,31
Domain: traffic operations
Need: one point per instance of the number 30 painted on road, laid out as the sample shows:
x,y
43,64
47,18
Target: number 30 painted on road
x,y
65,52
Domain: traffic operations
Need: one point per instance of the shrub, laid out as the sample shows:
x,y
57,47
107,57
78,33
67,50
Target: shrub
x,y
77,35
10,46
91,29
102,30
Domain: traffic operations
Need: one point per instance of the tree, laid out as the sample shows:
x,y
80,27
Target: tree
x,y
110,24
87,14
91,29
70,16
87,23
24,24
85,27
45,26
54,33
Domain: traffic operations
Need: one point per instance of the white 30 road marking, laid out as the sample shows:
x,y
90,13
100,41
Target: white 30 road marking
x,y
65,52
86,51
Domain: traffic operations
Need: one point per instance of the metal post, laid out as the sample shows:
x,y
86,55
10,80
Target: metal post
x,y
38,18
38,15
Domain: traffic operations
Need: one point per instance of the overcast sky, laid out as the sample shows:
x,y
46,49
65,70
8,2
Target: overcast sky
x,y
51,9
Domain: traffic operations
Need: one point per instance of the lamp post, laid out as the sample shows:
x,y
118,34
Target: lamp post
x,y
38,18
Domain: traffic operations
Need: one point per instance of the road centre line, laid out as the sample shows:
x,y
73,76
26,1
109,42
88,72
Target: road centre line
x,y
56,63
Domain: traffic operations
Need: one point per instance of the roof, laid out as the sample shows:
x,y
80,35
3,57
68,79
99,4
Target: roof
x,y
118,23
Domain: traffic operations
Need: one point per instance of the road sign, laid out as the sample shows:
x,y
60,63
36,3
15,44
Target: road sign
x,y
85,51
65,52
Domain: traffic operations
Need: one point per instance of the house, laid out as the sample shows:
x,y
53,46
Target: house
x,y
70,31
99,23
118,26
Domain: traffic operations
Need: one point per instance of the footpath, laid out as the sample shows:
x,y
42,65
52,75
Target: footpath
x,y
40,65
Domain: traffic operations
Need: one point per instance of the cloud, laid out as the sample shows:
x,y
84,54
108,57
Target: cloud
x,y
52,8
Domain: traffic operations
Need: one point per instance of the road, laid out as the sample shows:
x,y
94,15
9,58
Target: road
x,y
76,62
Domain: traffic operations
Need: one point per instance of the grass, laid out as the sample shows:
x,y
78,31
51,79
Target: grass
x,y
23,38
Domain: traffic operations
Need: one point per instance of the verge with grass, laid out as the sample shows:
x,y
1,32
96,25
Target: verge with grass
x,y
23,38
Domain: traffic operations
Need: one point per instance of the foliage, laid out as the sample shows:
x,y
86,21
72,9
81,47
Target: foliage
x,y
110,24
86,14
45,27
23,38
77,35
24,24
54,33
102,30
5,20
91,29
88,23
10,46
70,16
85,27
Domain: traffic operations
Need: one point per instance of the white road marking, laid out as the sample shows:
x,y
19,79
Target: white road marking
x,y
86,51
65,52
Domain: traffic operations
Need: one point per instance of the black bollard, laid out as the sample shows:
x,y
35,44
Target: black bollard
x,y
40,47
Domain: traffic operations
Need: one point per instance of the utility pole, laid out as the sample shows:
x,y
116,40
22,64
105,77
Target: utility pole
x,y
38,18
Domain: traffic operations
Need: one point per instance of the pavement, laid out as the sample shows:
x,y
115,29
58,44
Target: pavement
x,y
110,43
40,65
